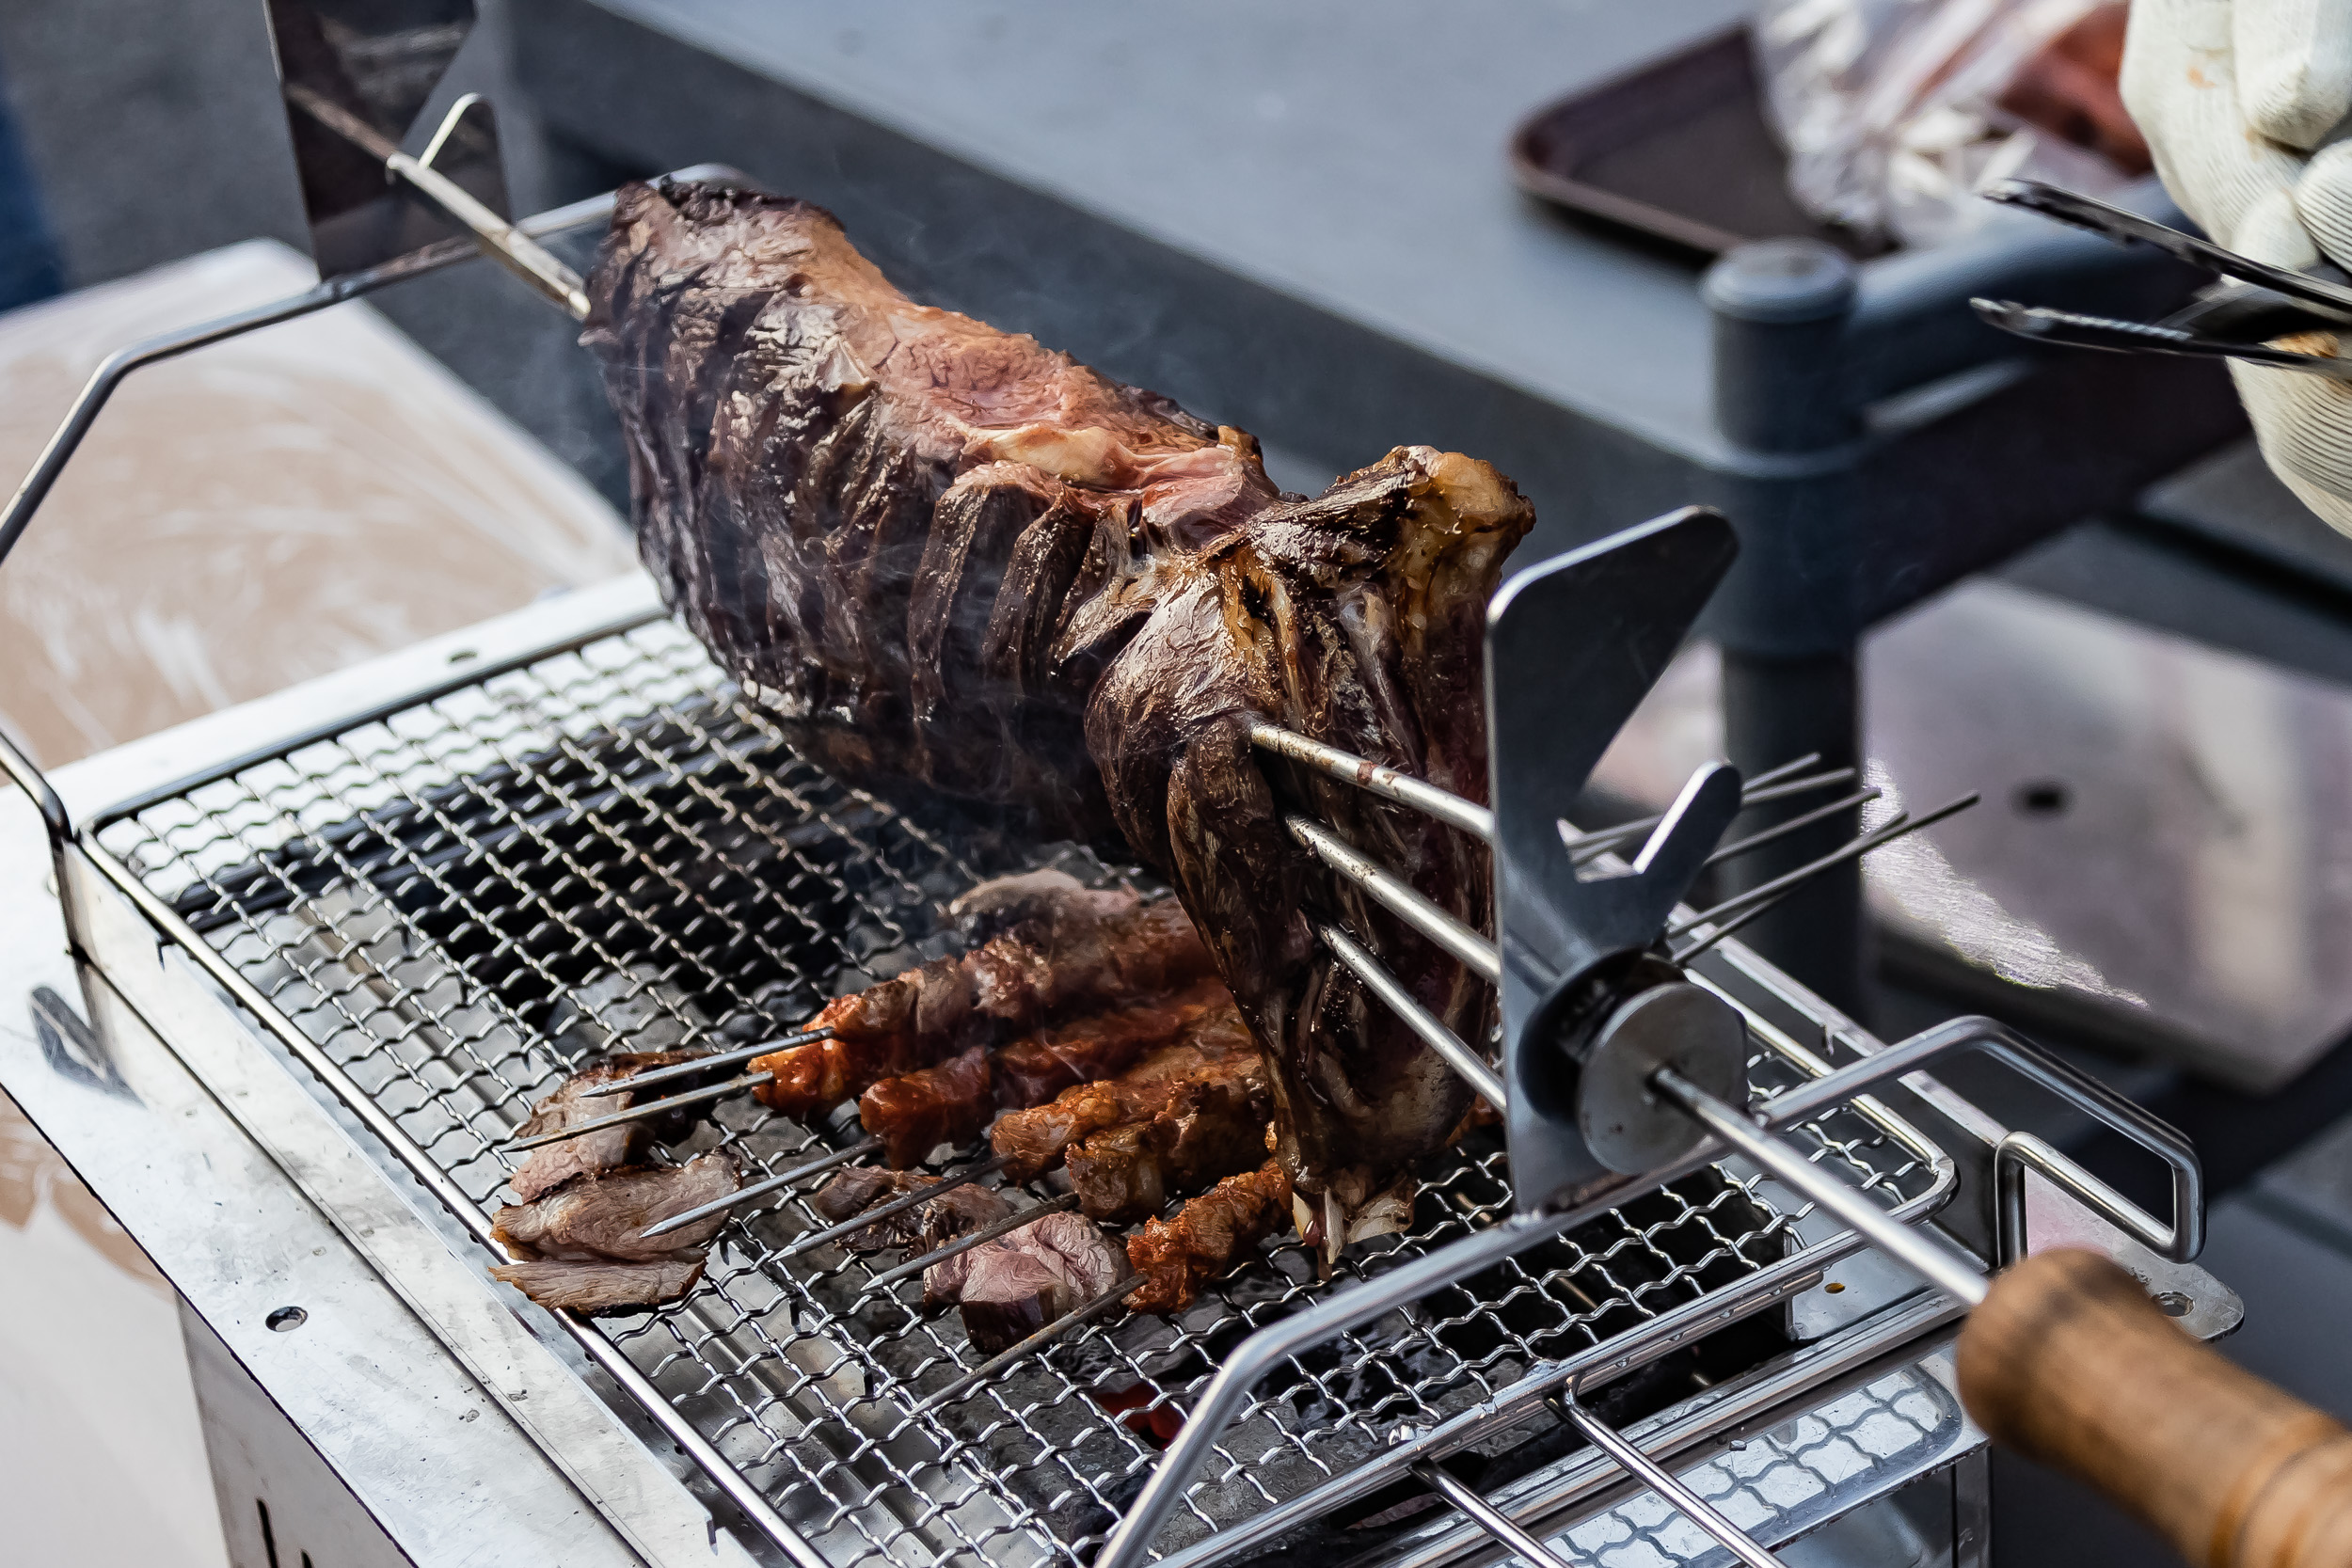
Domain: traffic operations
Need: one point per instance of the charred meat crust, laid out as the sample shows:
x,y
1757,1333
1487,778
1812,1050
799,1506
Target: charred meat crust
x,y
1063,949
951,560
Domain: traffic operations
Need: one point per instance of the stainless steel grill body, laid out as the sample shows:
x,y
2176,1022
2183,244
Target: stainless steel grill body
x,y
455,879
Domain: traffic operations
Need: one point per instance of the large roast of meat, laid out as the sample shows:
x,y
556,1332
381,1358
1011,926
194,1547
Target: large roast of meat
x,y
951,561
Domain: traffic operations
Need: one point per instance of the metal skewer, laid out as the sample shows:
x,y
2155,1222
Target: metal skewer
x,y
1932,1261
1762,790
1608,1440
761,1189
677,1102
1887,834
875,1215
514,249
1030,1346
1782,830
1399,896
722,1059
1387,783
640,1112
1444,1042
1021,1221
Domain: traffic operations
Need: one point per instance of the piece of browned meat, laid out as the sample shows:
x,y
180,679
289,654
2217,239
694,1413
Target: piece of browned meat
x,y
1010,1287
1213,1071
916,1112
950,559
600,1285
955,1213
1036,1068
581,1245
1208,1236
602,1217
594,1091
953,1103
1071,950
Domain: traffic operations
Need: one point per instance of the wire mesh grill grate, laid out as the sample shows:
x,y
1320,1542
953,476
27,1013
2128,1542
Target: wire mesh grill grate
x,y
610,849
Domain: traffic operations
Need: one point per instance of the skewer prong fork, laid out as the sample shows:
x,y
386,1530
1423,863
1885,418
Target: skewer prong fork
x,y
1076,1318
1021,1221
676,1101
855,1222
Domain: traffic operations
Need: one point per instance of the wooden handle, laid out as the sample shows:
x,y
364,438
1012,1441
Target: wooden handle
x,y
2069,1362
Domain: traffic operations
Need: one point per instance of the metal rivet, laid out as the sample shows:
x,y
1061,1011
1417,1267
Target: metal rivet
x,y
2172,1304
287,1319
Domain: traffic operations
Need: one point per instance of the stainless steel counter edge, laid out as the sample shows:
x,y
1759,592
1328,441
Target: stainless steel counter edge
x,y
159,763
184,1159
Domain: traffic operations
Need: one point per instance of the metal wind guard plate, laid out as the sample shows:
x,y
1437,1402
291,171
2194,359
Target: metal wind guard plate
x,y
1572,647
381,61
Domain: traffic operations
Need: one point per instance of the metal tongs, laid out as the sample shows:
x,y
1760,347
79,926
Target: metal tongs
x,y
2235,319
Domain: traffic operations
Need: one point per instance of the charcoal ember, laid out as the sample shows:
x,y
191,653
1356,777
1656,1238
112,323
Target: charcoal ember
x,y
954,564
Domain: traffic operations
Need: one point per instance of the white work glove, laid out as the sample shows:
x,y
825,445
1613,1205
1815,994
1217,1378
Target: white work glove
x,y
2238,99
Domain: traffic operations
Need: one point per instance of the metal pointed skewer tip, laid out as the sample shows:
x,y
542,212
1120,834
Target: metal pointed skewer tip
x,y
641,1113
762,1188
1010,1223
1074,1319
880,1212
713,1062
1782,830
1763,790
1898,828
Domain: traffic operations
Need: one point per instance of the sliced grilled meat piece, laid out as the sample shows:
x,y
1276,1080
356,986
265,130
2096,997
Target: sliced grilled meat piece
x,y
580,1245
1208,1236
1072,950
950,560
951,1214
601,1216
1008,1289
594,1091
600,1285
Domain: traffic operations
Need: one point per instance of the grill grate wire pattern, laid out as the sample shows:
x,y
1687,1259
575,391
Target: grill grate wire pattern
x,y
610,849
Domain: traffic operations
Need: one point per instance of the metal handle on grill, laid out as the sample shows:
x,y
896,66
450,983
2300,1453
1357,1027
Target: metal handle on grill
x,y
2068,1362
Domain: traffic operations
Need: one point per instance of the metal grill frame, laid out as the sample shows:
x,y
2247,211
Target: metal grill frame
x,y
150,783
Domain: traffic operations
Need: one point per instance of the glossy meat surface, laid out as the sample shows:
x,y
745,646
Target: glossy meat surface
x,y
1208,1236
914,1112
1033,1069
1066,950
1214,1060
952,560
